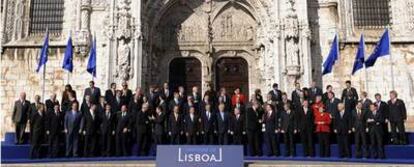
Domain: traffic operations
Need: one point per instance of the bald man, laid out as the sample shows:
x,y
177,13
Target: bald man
x,y
342,129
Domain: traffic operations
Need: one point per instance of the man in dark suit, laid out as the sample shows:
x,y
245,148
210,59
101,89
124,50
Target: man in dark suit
x,y
37,102
332,103
313,92
175,125
166,91
54,129
21,113
224,98
365,101
110,95
325,95
305,120
159,125
375,121
384,110
152,97
223,125
349,97
142,129
122,131
176,101
197,99
208,125
358,126
397,118
135,104
86,104
238,127
90,127
37,124
288,127
50,103
93,92
107,131
253,121
276,94
271,123
188,104
191,125
212,95
182,93
164,106
116,107
341,127
72,125
297,96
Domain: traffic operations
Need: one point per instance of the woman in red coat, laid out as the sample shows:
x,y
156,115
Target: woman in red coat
x,y
322,122
237,99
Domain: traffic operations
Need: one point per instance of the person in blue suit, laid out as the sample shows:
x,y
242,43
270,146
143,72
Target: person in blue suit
x,y
72,129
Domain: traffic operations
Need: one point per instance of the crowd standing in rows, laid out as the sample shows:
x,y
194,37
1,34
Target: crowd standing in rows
x,y
110,123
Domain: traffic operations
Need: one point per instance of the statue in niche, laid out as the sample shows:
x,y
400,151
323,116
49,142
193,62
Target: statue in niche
x,y
123,62
292,39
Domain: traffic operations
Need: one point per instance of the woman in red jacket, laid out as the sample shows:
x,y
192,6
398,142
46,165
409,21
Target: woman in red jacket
x,y
322,122
238,98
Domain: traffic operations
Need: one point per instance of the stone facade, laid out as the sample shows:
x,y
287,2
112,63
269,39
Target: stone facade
x,y
283,41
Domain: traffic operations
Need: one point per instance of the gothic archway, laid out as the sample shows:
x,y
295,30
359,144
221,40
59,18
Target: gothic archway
x,y
202,30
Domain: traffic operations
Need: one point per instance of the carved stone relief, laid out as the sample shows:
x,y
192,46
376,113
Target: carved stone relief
x,y
234,25
124,32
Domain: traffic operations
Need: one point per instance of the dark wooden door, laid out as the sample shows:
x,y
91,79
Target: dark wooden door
x,y
185,72
232,73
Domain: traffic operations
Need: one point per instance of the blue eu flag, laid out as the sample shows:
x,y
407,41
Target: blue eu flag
x,y
43,52
359,59
332,57
91,68
68,58
382,49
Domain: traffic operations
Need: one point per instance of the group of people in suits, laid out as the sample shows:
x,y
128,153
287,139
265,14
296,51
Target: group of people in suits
x,y
112,123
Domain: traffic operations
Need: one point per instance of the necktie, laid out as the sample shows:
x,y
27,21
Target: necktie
x,y
107,115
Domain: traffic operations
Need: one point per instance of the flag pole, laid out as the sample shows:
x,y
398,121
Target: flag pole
x,y
68,73
391,61
43,84
365,69
44,69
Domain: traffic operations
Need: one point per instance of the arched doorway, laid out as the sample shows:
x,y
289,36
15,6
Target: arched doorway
x,y
185,72
232,73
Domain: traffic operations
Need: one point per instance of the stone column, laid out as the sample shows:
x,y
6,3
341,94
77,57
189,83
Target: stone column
x,y
109,33
137,37
305,37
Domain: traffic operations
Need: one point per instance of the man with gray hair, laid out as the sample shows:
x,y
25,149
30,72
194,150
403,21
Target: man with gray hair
x,y
21,113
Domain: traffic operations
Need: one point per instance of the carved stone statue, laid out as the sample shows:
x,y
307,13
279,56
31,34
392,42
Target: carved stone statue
x,y
123,61
292,45
292,39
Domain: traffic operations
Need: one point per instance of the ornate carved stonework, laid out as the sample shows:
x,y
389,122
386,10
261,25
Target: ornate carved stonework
x,y
292,39
233,25
83,35
410,10
124,33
